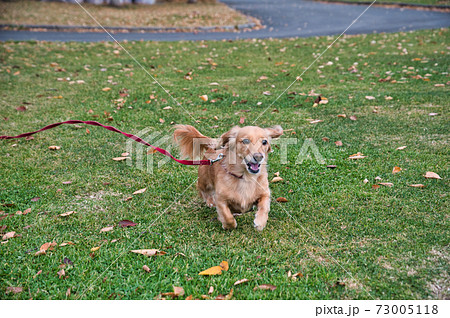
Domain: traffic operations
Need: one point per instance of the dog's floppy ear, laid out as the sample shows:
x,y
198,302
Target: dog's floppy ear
x,y
228,137
274,132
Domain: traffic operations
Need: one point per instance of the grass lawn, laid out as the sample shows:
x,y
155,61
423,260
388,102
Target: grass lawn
x,y
347,238
429,2
161,15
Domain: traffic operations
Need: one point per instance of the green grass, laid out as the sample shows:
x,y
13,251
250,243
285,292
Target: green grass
x,y
386,243
427,2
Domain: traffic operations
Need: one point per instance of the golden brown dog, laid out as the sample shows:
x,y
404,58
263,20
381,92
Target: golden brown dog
x,y
238,181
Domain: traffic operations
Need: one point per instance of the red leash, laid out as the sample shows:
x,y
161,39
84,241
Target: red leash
x,y
135,138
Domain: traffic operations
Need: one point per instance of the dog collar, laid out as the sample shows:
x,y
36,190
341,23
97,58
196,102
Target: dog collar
x,y
231,173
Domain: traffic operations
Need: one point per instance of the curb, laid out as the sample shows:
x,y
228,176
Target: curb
x,y
398,4
249,25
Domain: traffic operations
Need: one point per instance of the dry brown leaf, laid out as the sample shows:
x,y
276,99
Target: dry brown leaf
x,y
215,270
418,185
107,229
8,235
38,273
432,175
265,287
370,97
211,290
54,147
204,98
353,117
241,281
105,89
140,191
178,291
67,213
241,120
401,148
224,265
14,290
386,184
46,246
267,93
339,143
162,121
68,292
396,169
61,273
121,158
342,115
26,211
95,248
149,252
316,121
323,100
190,297
375,186
277,179
66,243
357,156
146,268
282,199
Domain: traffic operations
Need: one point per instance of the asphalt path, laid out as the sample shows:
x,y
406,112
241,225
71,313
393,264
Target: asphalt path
x,y
281,18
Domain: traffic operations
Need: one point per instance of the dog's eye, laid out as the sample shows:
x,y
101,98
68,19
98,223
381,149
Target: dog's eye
x,y
264,142
245,141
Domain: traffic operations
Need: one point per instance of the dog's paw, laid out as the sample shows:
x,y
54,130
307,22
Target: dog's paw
x,y
259,226
230,225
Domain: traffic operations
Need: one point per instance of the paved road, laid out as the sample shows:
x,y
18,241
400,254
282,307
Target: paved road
x,y
282,18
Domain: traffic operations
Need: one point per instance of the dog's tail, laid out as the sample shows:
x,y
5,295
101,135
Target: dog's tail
x,y
191,142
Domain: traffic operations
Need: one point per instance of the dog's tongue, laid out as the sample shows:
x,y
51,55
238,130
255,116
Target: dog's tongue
x,y
254,166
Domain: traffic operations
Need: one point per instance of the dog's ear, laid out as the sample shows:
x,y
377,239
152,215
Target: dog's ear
x,y
274,132
228,137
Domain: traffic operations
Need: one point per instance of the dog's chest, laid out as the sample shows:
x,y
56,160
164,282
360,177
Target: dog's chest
x,y
245,196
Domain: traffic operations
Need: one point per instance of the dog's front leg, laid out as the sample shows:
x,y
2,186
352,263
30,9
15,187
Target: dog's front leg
x,y
225,216
263,213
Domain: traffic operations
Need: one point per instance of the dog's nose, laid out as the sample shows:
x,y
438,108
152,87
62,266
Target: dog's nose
x,y
258,157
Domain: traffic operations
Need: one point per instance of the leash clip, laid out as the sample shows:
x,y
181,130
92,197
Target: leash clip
x,y
219,157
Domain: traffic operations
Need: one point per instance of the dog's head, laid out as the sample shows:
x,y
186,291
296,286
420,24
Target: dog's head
x,y
249,146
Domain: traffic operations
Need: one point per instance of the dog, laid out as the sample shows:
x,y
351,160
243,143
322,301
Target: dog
x,y
238,181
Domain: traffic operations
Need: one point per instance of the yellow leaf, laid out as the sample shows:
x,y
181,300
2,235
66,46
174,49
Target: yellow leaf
x,y
95,248
224,265
277,179
216,270
106,89
54,147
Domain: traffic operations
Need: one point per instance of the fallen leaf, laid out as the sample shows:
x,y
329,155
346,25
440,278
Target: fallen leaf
x,y
120,158
21,108
214,84
38,273
339,143
146,268
282,199
401,148
211,290
178,291
215,270
375,186
26,211
14,290
35,199
267,93
140,191
241,120
323,100
95,248
204,98
265,287
44,247
149,252
107,229
126,223
433,114
357,156
388,98
224,265
277,179
432,175
61,273
386,184
54,147
190,297
396,169
8,235
68,293
353,117
316,121
241,281
66,243
365,181
67,213
370,97
418,185
162,121
66,182
342,115
67,261
331,166
167,108
105,89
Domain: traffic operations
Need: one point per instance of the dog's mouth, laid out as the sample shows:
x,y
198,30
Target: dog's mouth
x,y
253,167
